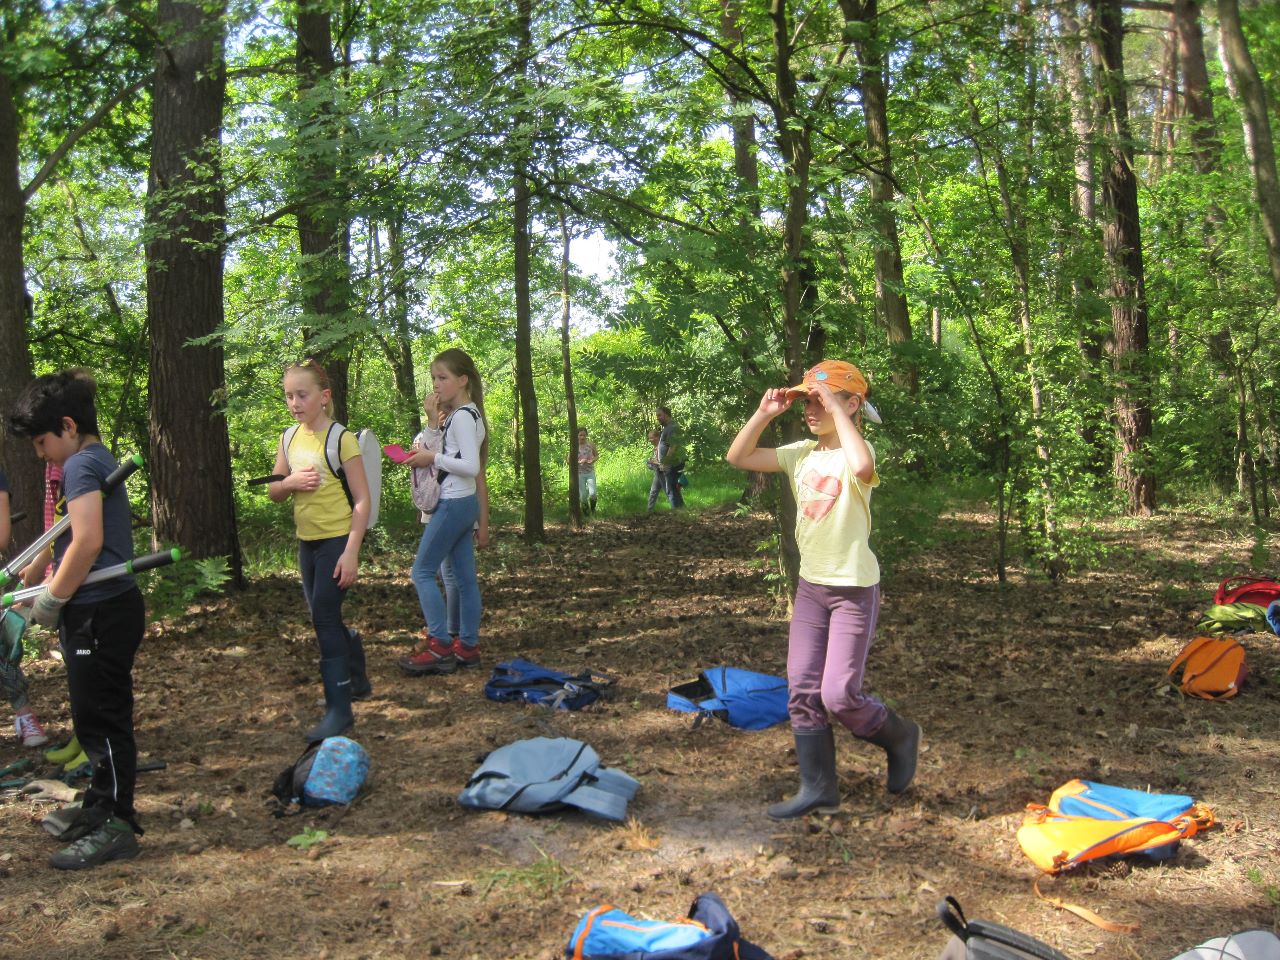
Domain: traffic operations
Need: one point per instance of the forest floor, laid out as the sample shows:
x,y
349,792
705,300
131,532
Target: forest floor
x,y
1019,689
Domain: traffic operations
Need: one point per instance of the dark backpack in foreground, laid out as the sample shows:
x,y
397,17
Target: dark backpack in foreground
x,y
528,682
708,933
981,940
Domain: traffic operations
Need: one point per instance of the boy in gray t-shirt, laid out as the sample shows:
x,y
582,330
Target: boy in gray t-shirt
x,y
100,625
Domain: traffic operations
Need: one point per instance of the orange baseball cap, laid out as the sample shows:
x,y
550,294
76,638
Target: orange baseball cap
x,y
836,375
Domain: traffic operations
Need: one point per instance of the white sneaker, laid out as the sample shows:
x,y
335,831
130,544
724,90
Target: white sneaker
x,y
28,730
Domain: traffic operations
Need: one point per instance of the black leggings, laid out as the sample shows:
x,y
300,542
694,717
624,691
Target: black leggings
x,y
99,643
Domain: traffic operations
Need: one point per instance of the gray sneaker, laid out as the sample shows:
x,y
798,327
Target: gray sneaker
x,y
114,840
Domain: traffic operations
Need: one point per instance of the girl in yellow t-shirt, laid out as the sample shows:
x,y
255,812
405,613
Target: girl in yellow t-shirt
x,y
330,531
838,597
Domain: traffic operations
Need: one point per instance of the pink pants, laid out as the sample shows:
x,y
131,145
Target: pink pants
x,y
831,631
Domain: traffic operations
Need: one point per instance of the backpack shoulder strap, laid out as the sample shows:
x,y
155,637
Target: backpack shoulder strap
x,y
333,457
287,439
1187,652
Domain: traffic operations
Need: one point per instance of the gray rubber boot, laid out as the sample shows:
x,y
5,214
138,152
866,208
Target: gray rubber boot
x,y
819,790
337,720
361,688
900,739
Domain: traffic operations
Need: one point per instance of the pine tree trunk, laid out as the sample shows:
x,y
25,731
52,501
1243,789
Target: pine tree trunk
x,y
1246,87
533,514
324,236
190,454
891,298
26,476
1122,244
566,366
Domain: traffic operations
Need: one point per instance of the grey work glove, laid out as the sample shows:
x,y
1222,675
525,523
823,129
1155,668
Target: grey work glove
x,y
47,610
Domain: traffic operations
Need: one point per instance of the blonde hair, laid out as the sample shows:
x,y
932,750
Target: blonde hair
x,y
319,374
459,363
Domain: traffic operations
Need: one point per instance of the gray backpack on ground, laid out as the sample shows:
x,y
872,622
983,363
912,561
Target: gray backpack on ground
x,y
543,775
983,940
1248,945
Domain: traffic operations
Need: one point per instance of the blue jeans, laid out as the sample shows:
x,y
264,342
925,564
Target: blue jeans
x,y
671,481
451,596
448,534
316,560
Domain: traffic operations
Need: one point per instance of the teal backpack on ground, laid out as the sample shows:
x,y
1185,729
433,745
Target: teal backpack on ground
x,y
751,701
543,775
708,933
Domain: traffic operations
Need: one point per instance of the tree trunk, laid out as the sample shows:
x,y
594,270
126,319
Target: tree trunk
x,y
566,363
891,298
1071,47
190,453
25,471
324,235
533,515
1246,86
1122,244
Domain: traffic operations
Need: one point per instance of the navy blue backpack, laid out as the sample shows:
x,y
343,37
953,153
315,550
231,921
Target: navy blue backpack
x,y
528,682
751,701
708,933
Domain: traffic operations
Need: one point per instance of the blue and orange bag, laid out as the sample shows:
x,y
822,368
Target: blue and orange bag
x,y
708,933
1087,821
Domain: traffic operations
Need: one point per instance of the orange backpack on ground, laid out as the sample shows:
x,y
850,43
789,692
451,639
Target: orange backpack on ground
x,y
1213,668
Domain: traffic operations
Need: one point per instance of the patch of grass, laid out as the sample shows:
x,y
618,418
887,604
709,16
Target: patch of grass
x,y
1268,889
308,838
544,878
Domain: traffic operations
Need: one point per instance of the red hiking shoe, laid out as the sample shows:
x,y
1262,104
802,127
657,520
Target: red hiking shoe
x,y
466,656
436,657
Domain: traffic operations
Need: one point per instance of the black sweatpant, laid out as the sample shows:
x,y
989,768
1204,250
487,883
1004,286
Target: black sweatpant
x,y
99,642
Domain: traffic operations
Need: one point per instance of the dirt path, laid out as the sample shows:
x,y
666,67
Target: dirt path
x,y
1018,690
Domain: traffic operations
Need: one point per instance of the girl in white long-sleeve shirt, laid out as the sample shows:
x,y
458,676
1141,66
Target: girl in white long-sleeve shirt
x,y
448,533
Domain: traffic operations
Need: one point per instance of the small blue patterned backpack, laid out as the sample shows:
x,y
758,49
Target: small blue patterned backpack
x,y
328,772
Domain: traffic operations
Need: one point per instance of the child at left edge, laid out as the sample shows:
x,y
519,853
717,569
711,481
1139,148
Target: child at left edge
x,y
100,625
25,724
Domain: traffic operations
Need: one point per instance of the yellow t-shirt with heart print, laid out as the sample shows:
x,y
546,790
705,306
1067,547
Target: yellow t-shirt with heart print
x,y
323,512
833,516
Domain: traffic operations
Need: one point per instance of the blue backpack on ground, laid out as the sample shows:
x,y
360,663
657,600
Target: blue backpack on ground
x,y
328,772
528,682
543,775
751,701
708,933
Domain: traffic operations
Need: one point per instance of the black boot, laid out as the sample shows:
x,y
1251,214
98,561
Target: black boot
x,y
361,688
337,719
816,754
900,739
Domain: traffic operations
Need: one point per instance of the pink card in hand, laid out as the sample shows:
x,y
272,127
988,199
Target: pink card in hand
x,y
396,453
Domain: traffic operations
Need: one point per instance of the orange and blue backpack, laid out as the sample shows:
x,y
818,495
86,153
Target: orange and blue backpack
x,y
708,933
1087,821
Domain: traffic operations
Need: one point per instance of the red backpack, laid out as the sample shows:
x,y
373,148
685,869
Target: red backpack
x,y
1247,589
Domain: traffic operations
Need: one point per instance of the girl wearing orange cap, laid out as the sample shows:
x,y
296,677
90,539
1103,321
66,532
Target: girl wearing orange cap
x,y
838,596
